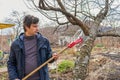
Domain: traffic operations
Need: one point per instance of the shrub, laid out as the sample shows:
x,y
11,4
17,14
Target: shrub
x,y
65,66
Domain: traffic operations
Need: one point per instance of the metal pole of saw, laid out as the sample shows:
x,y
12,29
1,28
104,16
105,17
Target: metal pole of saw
x,y
80,40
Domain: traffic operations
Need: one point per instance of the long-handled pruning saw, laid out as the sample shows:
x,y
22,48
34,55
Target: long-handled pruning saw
x,y
80,40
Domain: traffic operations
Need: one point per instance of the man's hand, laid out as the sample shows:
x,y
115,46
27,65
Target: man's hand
x,y
55,55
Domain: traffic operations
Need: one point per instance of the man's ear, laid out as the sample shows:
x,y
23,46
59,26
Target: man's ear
x,y
26,28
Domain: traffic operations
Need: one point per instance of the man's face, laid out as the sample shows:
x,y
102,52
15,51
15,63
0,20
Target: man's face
x,y
32,30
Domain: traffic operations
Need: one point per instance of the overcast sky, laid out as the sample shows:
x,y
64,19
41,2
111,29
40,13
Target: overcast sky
x,y
7,6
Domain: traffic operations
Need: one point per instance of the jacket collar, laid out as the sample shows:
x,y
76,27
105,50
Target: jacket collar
x,y
39,36
40,39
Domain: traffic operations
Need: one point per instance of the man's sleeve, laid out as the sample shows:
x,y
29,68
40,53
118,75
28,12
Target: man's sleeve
x,y
11,65
49,51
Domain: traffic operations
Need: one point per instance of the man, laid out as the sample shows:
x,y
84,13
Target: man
x,y
29,51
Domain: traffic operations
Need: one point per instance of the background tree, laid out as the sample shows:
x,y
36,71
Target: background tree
x,y
17,19
79,12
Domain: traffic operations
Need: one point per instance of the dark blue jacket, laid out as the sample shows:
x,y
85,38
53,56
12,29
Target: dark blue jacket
x,y
16,62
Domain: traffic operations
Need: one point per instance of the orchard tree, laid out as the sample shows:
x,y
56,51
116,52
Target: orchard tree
x,y
78,12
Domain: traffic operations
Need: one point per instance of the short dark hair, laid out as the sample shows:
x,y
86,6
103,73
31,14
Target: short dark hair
x,y
28,20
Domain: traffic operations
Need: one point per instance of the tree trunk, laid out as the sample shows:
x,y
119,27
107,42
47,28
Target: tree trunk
x,y
82,59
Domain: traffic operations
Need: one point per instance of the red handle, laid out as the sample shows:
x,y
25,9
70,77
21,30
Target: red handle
x,y
80,40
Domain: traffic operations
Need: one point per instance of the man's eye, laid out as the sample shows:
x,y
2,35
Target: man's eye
x,y
35,26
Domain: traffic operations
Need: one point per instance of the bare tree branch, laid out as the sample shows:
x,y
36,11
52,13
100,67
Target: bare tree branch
x,y
69,16
103,12
108,34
